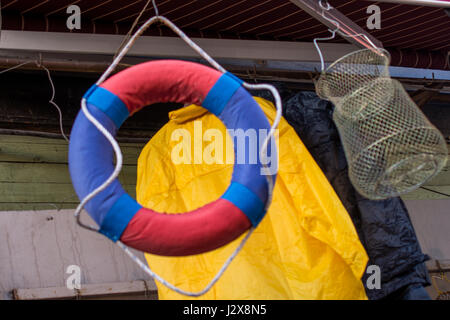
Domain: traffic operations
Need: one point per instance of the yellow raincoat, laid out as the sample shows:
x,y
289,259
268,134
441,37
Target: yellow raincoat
x,y
306,247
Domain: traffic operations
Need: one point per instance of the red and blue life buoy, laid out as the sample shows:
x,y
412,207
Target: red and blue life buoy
x,y
119,216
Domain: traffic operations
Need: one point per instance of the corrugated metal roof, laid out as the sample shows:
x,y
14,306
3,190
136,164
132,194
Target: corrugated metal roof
x,y
414,31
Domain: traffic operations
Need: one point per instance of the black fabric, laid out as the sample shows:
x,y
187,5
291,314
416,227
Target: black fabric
x,y
384,227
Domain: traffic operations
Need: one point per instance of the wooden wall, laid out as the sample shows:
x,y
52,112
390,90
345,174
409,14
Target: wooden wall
x,y
37,247
440,183
34,173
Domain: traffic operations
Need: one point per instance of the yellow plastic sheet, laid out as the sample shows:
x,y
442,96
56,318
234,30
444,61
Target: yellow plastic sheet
x,y
306,246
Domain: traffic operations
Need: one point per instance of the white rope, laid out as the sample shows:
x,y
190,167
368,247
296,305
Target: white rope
x,y
271,134
117,169
119,157
181,291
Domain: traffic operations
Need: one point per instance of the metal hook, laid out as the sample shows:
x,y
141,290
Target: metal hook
x,y
333,34
338,27
328,7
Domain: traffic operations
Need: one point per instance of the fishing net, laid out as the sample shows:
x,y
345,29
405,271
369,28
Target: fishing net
x,y
351,72
390,145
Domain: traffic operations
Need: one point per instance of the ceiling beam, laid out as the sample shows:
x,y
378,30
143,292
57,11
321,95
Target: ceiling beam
x,y
347,26
173,47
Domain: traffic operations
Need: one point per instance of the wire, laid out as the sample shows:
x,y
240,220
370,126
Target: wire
x,y
16,67
136,21
51,101
437,192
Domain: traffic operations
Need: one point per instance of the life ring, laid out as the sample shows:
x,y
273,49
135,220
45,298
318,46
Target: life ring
x,y
120,216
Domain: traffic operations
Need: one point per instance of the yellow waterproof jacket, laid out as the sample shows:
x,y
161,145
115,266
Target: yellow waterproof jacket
x,y
306,247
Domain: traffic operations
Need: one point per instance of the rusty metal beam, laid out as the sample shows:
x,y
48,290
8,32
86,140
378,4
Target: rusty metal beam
x,y
347,26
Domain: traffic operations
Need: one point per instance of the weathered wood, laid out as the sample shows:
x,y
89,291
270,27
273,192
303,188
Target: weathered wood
x,y
422,194
107,290
34,174
41,140
36,206
441,179
37,247
44,293
51,173
34,149
43,192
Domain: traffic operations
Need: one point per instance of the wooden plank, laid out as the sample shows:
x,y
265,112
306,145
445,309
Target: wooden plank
x,y
51,173
10,152
36,206
53,153
40,140
441,179
144,287
34,173
45,185
422,194
44,192
44,293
